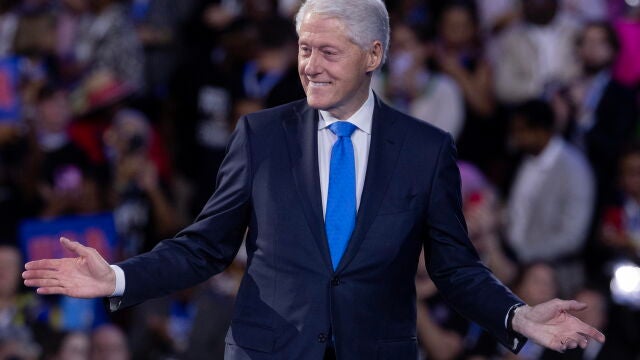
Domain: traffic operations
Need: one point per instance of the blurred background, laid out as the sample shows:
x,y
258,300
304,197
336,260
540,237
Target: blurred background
x,y
114,117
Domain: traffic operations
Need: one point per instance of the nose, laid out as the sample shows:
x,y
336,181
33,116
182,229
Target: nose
x,y
312,64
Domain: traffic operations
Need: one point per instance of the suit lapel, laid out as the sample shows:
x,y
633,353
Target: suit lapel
x,y
302,141
386,141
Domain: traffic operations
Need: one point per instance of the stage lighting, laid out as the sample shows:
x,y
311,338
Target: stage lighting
x,y
625,284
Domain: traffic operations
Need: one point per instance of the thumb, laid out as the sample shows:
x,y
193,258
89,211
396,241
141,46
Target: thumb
x,y
74,246
572,305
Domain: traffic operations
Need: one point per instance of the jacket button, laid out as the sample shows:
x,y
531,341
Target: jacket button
x,y
335,281
322,337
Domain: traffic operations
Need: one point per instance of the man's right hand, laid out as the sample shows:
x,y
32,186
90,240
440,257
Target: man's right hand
x,y
86,276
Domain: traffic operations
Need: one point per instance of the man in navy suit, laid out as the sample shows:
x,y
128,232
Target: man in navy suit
x,y
337,195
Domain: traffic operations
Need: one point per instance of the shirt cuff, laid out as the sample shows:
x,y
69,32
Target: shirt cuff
x,y
517,339
120,282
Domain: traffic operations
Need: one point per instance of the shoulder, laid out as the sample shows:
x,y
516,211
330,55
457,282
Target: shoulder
x,y
420,131
267,118
574,162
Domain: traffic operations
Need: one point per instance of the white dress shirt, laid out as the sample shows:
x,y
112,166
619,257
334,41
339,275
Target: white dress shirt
x,y
526,187
361,139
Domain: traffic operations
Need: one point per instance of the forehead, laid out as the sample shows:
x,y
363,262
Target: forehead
x,y
595,32
323,29
7,253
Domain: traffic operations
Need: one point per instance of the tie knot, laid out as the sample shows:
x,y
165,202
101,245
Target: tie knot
x,y
342,128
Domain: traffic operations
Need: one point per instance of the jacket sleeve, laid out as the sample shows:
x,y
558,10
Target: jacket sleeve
x,y
453,263
207,246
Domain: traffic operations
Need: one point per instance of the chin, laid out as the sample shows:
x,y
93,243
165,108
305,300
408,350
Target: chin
x,y
316,103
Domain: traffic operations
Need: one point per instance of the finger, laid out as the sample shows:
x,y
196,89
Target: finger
x,y
74,246
571,305
42,283
590,332
52,264
584,343
39,274
54,290
572,344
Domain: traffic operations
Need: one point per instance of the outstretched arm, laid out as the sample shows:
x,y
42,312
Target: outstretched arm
x,y
201,250
551,324
470,287
86,276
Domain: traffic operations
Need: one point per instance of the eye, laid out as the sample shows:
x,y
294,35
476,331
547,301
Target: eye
x,y
304,50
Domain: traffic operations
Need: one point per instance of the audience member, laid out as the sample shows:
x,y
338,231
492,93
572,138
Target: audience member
x,y
69,17
9,24
585,10
552,199
18,318
67,346
627,67
270,76
413,85
108,41
536,53
109,342
143,211
157,23
605,111
460,55
441,330
620,225
66,182
481,207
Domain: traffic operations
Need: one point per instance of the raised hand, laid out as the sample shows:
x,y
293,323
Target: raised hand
x,y
86,276
551,324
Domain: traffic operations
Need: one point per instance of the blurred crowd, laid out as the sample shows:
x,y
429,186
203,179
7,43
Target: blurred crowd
x,y
126,106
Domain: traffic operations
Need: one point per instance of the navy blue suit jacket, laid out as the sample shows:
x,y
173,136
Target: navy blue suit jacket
x,y
290,296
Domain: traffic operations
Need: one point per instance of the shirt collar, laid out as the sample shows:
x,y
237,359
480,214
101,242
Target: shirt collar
x,y
550,153
363,118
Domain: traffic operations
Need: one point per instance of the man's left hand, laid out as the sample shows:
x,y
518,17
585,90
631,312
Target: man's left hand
x,y
551,324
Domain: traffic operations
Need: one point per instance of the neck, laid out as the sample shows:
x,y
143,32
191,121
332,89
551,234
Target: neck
x,y
7,300
343,113
542,145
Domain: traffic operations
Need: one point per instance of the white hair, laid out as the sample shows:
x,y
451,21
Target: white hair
x,y
366,20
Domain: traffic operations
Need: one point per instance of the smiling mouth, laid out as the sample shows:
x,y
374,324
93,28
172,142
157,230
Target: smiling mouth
x,y
319,83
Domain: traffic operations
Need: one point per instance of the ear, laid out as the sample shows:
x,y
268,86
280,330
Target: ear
x,y
374,56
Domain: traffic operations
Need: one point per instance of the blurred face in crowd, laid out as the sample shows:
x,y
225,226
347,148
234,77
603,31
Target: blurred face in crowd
x,y
539,12
526,139
99,5
596,312
77,6
129,135
10,265
407,51
457,28
335,72
630,175
53,113
75,346
108,343
480,211
538,284
595,50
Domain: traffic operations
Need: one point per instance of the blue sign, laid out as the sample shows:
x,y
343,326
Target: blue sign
x,y
40,239
9,97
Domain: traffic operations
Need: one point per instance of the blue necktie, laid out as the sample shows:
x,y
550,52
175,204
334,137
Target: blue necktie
x,y
340,217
